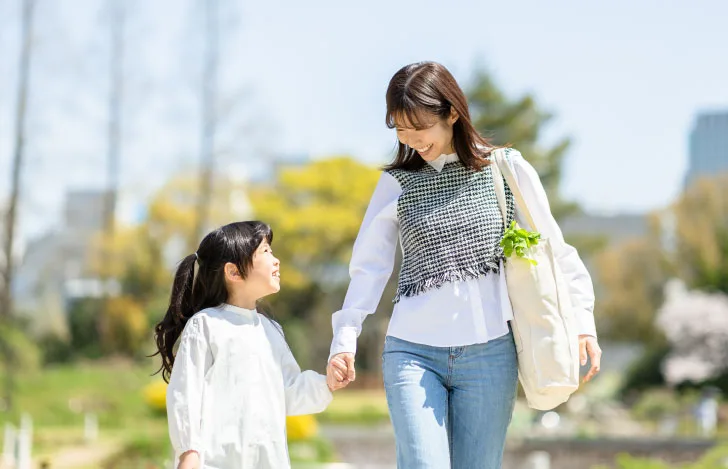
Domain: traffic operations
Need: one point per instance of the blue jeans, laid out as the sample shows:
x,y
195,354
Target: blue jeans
x,y
450,406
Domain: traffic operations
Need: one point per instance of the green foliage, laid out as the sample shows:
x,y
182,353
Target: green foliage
x,y
701,226
315,211
58,396
360,407
148,448
123,326
17,348
519,123
717,458
83,327
313,450
645,373
655,404
631,277
519,240
625,461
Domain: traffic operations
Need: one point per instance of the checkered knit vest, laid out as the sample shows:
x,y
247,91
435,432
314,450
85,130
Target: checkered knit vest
x,y
450,226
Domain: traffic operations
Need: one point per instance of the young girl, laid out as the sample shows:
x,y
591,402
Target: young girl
x,y
233,379
449,361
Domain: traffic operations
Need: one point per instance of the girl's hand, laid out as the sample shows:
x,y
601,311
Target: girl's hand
x,y
331,381
588,345
340,371
189,460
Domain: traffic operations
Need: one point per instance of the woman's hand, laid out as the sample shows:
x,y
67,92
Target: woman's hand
x,y
588,345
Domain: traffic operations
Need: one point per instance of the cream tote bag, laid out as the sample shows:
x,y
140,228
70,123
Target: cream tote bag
x,y
544,327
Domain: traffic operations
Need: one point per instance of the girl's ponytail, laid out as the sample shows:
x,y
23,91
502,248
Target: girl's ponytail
x,y
180,309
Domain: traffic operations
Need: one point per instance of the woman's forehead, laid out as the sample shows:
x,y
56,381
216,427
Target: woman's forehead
x,y
414,119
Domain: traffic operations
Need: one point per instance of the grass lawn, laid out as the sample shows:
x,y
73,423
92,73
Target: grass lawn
x,y
357,407
58,397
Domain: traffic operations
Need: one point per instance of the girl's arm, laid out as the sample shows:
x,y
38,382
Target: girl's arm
x,y
305,392
184,393
372,261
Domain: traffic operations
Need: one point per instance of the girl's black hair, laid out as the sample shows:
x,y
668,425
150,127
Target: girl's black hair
x,y
235,243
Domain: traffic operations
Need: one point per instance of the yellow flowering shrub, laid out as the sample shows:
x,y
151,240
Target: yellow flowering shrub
x,y
301,427
155,395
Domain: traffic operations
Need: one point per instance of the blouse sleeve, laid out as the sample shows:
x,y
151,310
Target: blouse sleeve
x,y
306,391
184,393
574,270
372,261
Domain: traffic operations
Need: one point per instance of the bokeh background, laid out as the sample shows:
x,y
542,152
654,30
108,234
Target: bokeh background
x,y
129,129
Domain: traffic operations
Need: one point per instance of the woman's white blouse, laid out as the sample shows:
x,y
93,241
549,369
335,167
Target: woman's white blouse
x,y
459,313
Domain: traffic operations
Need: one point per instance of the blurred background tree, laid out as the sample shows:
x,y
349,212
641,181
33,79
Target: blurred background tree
x,y
520,123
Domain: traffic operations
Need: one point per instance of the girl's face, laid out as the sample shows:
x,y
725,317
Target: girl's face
x,y
263,277
432,139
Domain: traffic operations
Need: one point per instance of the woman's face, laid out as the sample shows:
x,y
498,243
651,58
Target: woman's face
x,y
432,139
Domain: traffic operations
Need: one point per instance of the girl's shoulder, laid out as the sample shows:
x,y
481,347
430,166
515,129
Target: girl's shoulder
x,y
200,321
271,324
205,314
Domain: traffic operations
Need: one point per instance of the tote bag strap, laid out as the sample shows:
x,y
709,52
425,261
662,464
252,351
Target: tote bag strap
x,y
505,171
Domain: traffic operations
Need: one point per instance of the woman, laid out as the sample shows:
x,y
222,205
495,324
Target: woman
x,y
449,360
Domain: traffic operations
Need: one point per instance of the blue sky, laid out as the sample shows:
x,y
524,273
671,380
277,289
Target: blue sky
x,y
624,80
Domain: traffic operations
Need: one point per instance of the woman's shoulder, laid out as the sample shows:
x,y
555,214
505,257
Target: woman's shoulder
x,y
513,155
395,173
396,179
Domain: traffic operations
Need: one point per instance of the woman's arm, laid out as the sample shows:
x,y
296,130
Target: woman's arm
x,y
371,265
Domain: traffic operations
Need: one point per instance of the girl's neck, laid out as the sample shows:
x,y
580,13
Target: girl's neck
x,y
242,299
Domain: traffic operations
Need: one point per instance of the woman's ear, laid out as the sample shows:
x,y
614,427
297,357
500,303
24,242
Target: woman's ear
x,y
454,116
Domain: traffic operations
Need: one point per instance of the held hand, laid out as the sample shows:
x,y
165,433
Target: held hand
x,y
189,460
341,371
588,345
332,382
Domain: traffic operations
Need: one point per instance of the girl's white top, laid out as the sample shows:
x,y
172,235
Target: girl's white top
x,y
459,313
233,382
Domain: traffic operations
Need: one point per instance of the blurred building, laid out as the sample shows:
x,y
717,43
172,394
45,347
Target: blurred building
x,y
612,228
55,268
708,146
